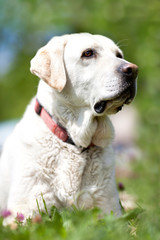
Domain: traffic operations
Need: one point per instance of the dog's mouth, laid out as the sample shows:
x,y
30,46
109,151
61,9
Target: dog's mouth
x,y
114,105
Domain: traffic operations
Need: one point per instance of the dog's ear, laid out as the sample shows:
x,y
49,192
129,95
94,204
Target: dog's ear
x,y
48,63
104,134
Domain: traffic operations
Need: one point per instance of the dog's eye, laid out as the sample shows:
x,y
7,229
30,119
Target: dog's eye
x,y
88,53
119,55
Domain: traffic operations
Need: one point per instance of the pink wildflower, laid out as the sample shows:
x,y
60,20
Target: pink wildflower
x,y
6,213
20,217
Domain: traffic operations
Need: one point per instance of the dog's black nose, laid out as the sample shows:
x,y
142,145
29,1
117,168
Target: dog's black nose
x,y
130,70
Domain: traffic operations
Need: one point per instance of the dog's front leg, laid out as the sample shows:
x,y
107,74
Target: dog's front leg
x,y
109,200
20,207
26,199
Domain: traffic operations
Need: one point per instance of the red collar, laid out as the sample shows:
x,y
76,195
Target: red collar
x,y
59,131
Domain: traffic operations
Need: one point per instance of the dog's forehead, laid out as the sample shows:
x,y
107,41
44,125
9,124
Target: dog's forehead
x,y
79,42
106,42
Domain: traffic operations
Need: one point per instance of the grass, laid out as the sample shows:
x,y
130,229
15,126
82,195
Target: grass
x,y
89,225
75,224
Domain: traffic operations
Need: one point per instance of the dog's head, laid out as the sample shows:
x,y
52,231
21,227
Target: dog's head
x,y
87,70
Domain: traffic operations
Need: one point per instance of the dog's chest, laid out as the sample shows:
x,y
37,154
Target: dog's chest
x,y
68,171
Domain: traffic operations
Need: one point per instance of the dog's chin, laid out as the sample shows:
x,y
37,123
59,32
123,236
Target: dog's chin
x,y
114,105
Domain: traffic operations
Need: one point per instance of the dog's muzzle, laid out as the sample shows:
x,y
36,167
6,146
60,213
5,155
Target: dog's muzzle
x,y
128,73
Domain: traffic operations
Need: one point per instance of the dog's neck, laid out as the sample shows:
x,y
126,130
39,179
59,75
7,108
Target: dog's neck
x,y
81,124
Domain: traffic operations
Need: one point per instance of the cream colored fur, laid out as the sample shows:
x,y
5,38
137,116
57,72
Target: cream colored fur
x,y
34,161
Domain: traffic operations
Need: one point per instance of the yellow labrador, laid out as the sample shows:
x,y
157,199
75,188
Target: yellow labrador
x,y
62,147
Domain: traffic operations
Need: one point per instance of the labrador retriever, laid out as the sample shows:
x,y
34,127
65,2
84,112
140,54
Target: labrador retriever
x,y
61,150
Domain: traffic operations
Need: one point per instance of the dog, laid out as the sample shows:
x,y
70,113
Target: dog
x,y
61,150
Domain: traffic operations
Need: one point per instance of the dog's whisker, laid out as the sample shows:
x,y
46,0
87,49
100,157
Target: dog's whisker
x,y
121,44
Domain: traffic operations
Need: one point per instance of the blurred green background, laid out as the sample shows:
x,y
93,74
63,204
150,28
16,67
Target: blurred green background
x,y
26,25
